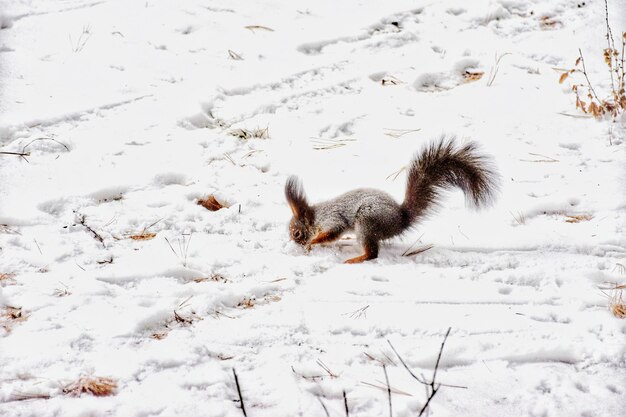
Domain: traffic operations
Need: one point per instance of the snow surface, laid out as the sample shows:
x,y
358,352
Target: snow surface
x,y
134,103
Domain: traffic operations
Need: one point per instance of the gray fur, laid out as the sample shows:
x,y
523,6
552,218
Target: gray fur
x,y
374,215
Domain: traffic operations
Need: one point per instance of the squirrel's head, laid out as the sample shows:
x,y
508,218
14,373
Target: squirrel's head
x,y
301,224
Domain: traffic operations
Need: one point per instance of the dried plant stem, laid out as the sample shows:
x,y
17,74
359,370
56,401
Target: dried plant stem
x,y
610,42
345,403
243,408
82,221
388,390
432,386
582,61
323,406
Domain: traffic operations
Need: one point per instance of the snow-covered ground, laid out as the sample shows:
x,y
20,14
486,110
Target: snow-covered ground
x,y
131,111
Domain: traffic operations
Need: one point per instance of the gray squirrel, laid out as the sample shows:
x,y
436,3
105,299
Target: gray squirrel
x,y
374,215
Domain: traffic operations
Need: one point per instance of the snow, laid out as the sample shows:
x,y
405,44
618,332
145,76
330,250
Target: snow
x,y
129,113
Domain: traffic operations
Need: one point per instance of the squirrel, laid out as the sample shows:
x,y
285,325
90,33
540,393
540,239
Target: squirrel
x,y
375,216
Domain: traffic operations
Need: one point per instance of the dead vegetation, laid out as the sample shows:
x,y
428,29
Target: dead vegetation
x,y
577,218
390,80
321,144
210,203
587,98
6,278
471,76
10,316
549,22
398,133
96,386
252,28
183,247
143,236
615,296
258,133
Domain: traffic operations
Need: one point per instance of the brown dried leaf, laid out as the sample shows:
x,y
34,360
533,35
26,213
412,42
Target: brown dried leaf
x,y
472,76
563,77
577,218
210,203
578,61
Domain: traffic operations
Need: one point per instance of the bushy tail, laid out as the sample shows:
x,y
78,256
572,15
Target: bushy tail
x,y
443,165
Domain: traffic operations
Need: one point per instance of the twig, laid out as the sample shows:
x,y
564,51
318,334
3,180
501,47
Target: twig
x,y
582,61
421,381
384,388
37,244
439,356
495,68
434,387
610,43
345,403
323,406
38,139
81,220
307,377
357,314
388,390
326,368
243,408
22,155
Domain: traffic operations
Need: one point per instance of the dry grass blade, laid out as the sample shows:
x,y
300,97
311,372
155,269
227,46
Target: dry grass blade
x,y
519,218
252,28
418,250
545,158
394,175
326,369
357,314
234,55
210,203
97,386
398,133
320,144
25,396
381,386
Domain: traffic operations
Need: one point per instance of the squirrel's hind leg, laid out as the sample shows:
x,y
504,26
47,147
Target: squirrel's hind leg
x,y
370,246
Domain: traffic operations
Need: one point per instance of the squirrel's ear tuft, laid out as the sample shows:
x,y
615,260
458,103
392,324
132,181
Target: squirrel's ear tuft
x,y
296,198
